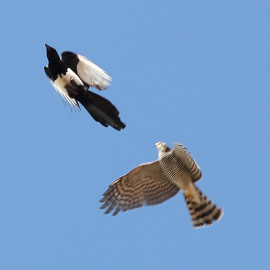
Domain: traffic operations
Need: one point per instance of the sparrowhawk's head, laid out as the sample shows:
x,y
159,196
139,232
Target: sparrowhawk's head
x,y
162,147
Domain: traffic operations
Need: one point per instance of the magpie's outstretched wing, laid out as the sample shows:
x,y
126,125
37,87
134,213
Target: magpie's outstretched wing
x,y
89,73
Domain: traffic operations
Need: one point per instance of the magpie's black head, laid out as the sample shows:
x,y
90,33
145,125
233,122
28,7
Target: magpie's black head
x,y
52,54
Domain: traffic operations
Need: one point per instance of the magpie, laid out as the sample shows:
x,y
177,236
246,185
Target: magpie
x,y
72,75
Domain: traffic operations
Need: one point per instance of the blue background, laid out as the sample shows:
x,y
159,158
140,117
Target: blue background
x,y
193,72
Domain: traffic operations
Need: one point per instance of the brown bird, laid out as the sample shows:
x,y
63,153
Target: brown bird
x,y
155,182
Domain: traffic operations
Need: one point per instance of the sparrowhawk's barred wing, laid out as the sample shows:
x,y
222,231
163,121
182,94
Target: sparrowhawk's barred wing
x,y
144,185
182,153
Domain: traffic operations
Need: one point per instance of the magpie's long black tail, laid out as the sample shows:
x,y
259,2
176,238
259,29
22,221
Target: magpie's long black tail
x,y
101,109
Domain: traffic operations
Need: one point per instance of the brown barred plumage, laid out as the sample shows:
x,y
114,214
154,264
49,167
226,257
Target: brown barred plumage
x,y
155,182
144,185
203,212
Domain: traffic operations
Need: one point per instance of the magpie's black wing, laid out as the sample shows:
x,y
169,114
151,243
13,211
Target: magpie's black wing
x,y
101,109
89,73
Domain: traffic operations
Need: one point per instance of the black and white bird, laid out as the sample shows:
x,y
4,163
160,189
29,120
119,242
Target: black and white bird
x,y
72,75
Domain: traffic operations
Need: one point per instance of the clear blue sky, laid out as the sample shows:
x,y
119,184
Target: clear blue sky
x,y
194,72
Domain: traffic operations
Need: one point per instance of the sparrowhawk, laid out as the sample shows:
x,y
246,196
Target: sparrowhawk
x,y
155,182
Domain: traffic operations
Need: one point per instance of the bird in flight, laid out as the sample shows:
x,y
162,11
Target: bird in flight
x,y
72,75
155,182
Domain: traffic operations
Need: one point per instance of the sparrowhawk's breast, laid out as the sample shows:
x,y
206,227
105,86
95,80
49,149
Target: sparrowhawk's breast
x,y
175,169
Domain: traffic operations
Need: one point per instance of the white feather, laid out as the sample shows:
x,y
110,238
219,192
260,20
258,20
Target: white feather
x,y
64,95
92,74
60,83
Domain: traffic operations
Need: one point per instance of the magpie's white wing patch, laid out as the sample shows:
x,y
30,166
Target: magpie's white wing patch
x,y
64,94
91,74
60,83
